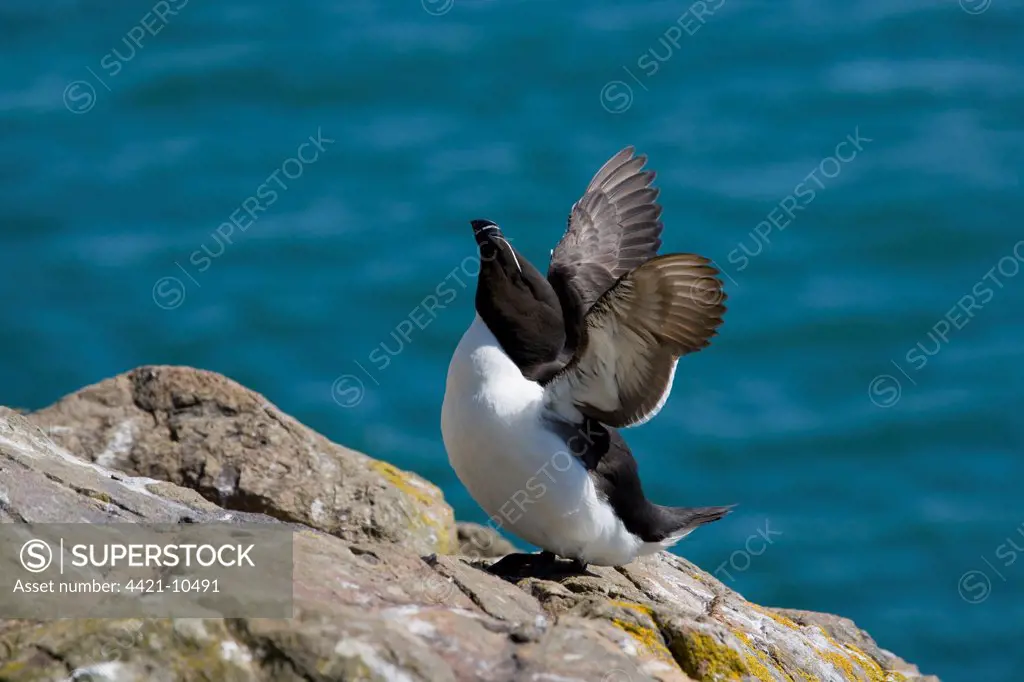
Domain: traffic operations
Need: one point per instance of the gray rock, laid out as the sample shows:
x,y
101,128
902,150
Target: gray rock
x,y
40,482
368,604
202,431
482,541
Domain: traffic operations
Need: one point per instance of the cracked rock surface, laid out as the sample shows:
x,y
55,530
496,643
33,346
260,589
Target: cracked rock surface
x,y
202,431
377,594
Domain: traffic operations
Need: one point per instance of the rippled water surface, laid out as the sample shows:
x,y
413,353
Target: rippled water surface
x,y
853,167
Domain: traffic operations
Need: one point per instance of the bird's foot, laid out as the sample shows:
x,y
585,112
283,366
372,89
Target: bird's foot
x,y
544,564
521,564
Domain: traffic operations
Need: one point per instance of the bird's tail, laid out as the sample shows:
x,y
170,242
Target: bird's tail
x,y
682,520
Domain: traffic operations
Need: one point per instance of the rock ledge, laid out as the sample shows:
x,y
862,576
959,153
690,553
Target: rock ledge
x,y
377,594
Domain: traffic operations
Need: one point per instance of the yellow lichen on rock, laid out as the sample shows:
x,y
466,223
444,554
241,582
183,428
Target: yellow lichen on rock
x,y
805,677
645,610
101,497
399,479
705,659
874,671
369,602
421,495
760,666
647,637
9,670
854,664
841,663
759,662
778,618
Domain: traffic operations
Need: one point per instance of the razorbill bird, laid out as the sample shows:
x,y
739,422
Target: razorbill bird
x,y
552,366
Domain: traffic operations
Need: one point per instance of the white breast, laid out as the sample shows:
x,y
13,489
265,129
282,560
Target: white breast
x,y
518,471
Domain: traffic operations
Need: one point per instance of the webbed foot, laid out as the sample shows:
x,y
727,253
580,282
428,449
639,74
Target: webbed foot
x,y
543,564
521,564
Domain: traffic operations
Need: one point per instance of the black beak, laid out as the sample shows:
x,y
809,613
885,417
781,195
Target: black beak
x,y
484,229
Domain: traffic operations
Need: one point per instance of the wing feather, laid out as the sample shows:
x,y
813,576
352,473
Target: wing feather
x,y
633,336
613,228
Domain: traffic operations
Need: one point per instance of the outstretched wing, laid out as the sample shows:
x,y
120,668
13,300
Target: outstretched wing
x,y
613,229
621,373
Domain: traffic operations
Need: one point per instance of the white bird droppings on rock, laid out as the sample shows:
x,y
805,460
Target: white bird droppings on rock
x,y
232,653
102,672
118,446
368,656
317,511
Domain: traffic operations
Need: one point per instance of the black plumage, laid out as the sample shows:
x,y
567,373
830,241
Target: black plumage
x,y
609,308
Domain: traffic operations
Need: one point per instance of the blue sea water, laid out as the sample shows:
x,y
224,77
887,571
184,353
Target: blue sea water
x,y
854,168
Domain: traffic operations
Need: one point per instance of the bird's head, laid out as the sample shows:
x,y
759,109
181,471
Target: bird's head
x,y
512,296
